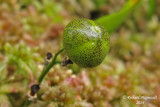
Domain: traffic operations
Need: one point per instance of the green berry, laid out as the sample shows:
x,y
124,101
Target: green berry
x,y
86,42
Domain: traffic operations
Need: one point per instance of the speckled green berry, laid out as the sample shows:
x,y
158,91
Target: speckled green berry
x,y
86,42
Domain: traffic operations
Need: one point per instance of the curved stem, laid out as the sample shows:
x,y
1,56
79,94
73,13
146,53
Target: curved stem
x,y
49,66
44,72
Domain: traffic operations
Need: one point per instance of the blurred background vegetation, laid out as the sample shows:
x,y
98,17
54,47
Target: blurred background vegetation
x,y
31,28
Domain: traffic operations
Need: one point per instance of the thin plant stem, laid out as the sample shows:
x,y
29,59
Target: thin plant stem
x,y
44,72
49,66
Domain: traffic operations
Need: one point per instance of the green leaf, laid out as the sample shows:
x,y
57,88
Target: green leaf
x,y
111,22
152,5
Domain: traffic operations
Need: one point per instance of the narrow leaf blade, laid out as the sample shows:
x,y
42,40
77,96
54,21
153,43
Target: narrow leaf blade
x,y
111,22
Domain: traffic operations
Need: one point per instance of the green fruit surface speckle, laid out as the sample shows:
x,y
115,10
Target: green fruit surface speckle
x,y
86,42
